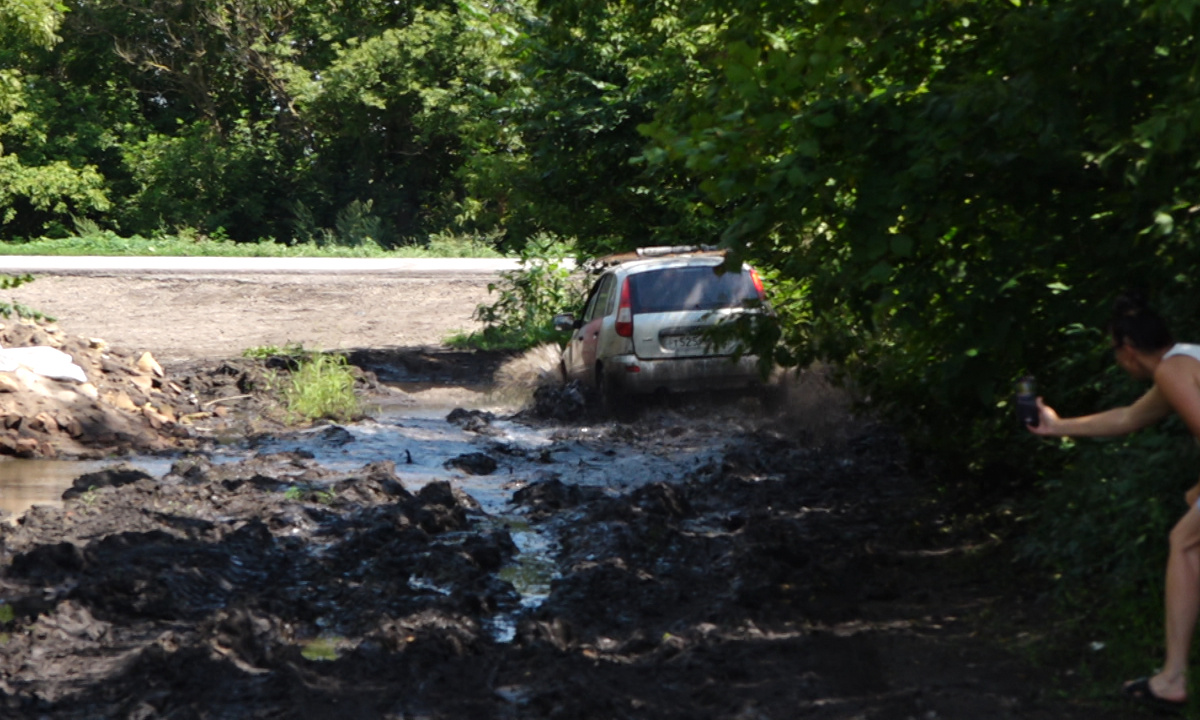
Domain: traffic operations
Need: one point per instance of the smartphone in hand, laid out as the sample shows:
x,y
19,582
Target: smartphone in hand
x,y
1027,410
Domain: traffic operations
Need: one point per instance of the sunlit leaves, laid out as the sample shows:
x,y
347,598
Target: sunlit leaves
x,y
33,21
55,187
936,169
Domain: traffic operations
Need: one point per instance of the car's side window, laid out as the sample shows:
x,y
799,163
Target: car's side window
x,y
598,306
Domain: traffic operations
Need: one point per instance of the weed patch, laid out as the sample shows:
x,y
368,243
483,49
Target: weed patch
x,y
321,386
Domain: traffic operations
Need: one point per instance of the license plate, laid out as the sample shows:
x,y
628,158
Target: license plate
x,y
691,341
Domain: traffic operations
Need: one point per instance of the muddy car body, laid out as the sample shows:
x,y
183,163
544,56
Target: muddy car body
x,y
644,327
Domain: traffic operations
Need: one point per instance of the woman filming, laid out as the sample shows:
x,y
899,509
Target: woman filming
x,y
1143,346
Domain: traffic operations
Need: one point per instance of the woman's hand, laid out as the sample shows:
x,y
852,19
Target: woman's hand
x,y
1191,496
1047,420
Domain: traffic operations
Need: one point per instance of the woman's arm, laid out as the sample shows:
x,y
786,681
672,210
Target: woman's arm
x,y
1145,411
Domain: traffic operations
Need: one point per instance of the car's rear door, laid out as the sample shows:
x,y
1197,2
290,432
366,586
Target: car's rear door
x,y
673,306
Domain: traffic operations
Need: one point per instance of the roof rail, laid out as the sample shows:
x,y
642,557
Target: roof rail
x,y
660,250
654,251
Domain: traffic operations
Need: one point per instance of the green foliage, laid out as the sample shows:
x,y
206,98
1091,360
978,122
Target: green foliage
x,y
35,21
294,351
591,74
230,115
189,243
529,298
53,189
9,309
205,177
8,282
461,245
309,493
322,386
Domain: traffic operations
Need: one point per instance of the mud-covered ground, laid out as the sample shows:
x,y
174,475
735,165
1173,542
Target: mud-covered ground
x,y
702,560
789,574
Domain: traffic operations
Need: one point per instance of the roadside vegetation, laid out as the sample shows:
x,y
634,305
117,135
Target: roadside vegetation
x,y
313,385
194,244
11,308
522,316
944,196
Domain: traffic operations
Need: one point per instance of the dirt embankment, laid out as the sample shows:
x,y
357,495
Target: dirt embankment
x,y
127,404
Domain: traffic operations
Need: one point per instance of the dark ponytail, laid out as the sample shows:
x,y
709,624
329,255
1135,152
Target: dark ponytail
x,y
1135,322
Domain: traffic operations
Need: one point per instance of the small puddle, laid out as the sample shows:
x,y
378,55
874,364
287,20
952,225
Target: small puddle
x,y
532,571
25,483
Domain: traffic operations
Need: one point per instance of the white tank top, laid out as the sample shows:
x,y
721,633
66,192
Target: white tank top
x,y
1192,351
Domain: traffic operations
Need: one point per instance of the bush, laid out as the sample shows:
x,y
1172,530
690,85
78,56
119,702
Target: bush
x,y
322,386
523,316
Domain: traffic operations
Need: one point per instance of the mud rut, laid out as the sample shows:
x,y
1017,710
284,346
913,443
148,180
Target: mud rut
x,y
773,574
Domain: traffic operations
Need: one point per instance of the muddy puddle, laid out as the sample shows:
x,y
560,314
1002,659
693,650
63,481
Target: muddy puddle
x,y
24,483
462,436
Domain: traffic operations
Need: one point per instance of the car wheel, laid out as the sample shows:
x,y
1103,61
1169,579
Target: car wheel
x,y
611,401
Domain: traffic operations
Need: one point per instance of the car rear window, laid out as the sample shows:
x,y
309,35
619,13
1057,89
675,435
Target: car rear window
x,y
690,288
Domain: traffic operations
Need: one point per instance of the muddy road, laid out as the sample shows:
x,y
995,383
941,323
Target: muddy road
x,y
702,560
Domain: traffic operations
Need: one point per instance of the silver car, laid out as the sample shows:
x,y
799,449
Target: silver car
x,y
643,327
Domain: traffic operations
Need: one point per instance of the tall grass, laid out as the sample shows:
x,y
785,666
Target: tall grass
x,y
192,244
322,386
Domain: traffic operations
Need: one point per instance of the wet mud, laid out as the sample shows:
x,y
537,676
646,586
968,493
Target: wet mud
x,y
697,561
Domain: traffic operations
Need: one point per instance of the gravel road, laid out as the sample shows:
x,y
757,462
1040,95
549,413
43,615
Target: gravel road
x,y
195,316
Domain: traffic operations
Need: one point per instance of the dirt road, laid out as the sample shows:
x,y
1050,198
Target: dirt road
x,y
206,316
770,576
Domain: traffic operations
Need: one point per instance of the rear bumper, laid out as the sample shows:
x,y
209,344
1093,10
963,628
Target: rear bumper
x,y
630,374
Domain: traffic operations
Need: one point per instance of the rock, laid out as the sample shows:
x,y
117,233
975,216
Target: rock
x,y
147,364
120,400
70,425
473,464
476,421
157,420
27,447
108,477
8,383
337,435
44,422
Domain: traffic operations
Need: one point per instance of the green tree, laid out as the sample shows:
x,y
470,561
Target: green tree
x,y
265,118
591,73
947,189
33,186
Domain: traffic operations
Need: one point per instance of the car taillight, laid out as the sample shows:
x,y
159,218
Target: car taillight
x,y
625,312
758,286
